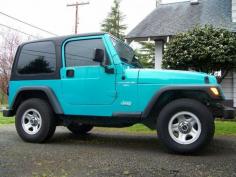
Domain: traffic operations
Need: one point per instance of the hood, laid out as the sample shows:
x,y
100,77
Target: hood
x,y
153,76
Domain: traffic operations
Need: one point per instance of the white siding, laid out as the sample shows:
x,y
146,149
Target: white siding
x,y
227,86
234,10
234,87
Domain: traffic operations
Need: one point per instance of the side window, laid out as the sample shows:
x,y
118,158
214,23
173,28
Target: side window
x,y
81,53
37,58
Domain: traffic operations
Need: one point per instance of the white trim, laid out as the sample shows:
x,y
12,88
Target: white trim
x,y
159,47
233,10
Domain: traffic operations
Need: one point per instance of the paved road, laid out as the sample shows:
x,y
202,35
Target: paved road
x,y
108,153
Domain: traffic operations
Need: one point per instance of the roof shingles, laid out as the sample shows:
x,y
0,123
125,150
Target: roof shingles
x,y
170,19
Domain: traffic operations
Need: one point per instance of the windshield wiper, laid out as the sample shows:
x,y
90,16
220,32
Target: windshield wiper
x,y
125,60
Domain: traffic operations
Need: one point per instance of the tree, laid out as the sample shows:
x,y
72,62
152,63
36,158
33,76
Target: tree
x,y
205,49
146,54
114,22
39,65
9,44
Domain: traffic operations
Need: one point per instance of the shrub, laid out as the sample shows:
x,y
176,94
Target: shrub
x,y
204,49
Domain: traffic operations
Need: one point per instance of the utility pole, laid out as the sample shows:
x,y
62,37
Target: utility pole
x,y
158,2
76,5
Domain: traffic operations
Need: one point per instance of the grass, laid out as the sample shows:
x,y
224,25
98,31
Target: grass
x,y
227,128
6,120
222,127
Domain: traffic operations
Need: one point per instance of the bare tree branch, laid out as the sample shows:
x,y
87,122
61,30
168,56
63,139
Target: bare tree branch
x,y
8,47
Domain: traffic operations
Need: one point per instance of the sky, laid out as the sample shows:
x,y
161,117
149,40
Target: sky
x,y
56,17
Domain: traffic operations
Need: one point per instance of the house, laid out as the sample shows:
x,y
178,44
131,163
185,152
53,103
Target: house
x,y
169,19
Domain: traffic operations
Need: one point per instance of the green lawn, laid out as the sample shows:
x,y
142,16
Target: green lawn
x,y
222,127
6,120
225,128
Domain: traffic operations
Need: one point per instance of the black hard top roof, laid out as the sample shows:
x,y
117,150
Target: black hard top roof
x,y
60,39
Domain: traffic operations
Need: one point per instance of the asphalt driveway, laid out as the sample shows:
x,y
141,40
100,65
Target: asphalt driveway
x,y
106,153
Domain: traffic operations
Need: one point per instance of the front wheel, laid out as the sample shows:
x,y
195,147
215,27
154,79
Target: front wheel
x,y
185,126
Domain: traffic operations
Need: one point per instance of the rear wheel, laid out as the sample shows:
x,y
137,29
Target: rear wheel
x,y
78,128
185,126
35,121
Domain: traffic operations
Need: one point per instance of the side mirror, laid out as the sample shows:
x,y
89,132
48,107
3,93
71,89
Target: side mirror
x,y
99,55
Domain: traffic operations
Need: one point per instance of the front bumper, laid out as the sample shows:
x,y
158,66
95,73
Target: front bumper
x,y
8,113
228,113
221,110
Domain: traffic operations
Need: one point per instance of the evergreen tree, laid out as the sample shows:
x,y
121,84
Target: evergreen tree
x,y
146,54
114,22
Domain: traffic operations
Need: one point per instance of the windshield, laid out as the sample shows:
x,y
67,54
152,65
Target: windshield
x,y
126,54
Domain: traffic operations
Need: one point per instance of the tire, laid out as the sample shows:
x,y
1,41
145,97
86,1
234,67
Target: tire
x,y
35,121
185,126
79,129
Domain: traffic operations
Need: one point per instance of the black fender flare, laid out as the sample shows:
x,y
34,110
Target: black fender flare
x,y
157,95
49,93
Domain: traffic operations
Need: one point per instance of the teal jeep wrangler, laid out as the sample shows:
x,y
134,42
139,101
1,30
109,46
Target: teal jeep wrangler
x,y
94,79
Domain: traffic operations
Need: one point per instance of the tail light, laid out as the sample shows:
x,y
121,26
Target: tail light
x,y
8,90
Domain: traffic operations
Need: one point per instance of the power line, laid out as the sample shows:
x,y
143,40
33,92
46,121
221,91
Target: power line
x,y
19,31
26,23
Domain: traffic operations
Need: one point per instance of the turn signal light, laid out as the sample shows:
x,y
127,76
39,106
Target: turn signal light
x,y
215,91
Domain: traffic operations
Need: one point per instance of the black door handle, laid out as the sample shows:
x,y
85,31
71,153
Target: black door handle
x,y
70,73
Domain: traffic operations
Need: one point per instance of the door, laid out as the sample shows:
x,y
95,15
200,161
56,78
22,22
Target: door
x,y
84,81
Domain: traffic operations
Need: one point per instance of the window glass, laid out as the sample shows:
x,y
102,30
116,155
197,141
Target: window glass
x,y
125,53
36,58
81,53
